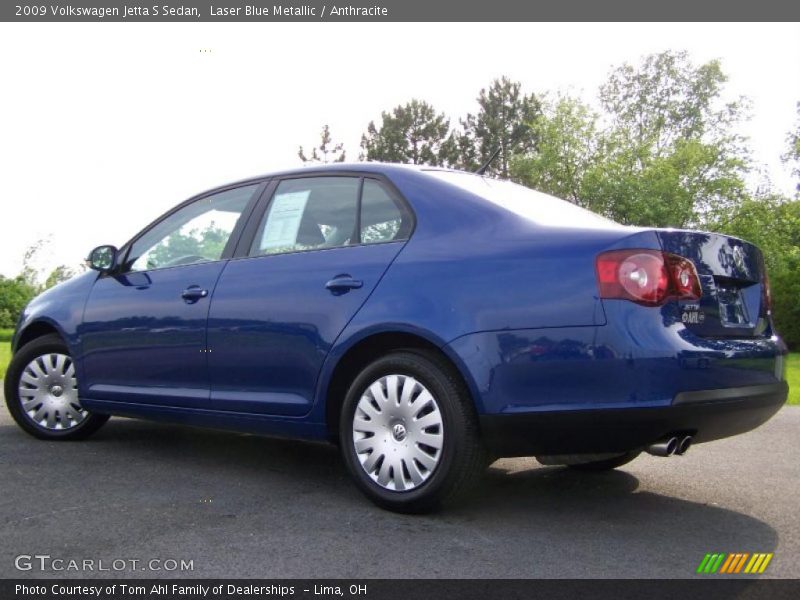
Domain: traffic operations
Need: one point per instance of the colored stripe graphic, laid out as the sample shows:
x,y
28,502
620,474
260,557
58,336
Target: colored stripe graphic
x,y
717,563
720,562
766,562
703,563
728,563
759,563
734,562
741,562
754,563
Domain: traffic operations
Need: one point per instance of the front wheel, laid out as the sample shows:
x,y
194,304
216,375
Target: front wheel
x,y
409,433
42,392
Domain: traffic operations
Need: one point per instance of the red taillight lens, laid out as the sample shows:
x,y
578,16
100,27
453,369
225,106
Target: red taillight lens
x,y
686,283
766,294
639,275
647,277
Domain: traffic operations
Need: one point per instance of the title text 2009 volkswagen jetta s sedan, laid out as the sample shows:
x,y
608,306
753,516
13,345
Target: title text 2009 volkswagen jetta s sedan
x,y
426,320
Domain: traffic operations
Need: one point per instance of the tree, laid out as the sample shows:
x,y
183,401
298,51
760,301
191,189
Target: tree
x,y
667,98
16,292
672,157
792,155
503,122
14,296
30,272
326,152
567,146
773,224
58,275
411,133
693,186
35,263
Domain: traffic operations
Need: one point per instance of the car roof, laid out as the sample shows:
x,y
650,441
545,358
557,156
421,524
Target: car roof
x,y
349,167
371,166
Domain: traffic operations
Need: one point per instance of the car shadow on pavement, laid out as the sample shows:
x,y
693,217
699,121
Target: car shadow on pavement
x,y
588,519
172,488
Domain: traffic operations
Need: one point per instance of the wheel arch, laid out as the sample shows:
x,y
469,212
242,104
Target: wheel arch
x,y
362,350
36,329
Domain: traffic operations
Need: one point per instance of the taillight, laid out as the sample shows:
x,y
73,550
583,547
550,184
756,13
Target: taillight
x,y
766,294
647,277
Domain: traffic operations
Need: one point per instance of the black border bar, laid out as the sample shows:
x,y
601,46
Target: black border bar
x,y
707,588
397,10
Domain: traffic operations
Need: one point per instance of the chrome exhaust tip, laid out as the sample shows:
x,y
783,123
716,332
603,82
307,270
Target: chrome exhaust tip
x,y
665,447
684,445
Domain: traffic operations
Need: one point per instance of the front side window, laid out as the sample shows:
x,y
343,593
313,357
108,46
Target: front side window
x,y
196,233
313,213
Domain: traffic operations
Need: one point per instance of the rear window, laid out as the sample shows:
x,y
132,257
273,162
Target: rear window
x,y
525,202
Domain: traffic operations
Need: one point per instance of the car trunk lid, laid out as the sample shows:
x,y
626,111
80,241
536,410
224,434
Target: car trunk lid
x,y
733,280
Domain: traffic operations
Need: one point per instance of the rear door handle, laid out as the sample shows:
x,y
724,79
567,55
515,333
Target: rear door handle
x,y
342,283
193,293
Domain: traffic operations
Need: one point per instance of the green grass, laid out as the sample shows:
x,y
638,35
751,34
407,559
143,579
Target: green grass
x,y
793,377
5,350
792,365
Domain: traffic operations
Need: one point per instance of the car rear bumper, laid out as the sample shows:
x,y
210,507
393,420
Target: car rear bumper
x,y
705,414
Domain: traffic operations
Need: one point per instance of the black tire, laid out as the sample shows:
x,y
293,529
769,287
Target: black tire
x,y
463,458
41,346
607,464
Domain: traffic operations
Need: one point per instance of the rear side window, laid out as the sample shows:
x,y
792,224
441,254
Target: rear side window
x,y
316,213
382,219
309,214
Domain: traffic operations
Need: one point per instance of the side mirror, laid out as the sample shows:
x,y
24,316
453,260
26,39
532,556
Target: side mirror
x,y
103,258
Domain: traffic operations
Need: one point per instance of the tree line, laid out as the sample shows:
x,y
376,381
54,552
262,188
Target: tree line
x,y
16,292
662,149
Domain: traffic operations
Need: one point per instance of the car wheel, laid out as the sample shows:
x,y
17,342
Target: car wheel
x,y
607,464
41,392
409,433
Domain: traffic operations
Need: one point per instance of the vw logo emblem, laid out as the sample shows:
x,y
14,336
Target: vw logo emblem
x,y
399,432
738,258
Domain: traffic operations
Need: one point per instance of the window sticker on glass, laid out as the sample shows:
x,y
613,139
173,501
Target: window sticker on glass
x,y
284,219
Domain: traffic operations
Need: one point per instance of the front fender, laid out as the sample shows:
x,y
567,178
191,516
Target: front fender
x,y
60,307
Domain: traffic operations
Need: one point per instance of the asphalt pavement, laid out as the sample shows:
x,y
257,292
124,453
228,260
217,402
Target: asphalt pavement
x,y
246,506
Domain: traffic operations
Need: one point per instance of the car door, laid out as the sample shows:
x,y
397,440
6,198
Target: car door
x,y
317,253
144,328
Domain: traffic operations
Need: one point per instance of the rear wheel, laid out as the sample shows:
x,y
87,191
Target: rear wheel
x,y
409,434
41,392
607,464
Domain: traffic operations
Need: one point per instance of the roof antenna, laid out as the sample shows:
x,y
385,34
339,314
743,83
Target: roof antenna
x,y
485,166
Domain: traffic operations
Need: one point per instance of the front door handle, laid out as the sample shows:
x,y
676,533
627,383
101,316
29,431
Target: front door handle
x,y
193,294
342,283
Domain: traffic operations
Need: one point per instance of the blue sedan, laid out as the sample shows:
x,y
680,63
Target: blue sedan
x,y
426,320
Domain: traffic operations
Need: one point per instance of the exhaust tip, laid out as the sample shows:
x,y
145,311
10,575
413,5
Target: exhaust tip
x,y
684,445
665,447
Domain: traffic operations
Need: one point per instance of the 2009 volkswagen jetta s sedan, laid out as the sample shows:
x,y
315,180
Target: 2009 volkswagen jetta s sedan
x,y
425,320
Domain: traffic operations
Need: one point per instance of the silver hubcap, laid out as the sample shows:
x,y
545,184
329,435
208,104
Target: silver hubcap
x,y
48,392
398,432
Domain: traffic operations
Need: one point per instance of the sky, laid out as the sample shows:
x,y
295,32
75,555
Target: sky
x,y
105,126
